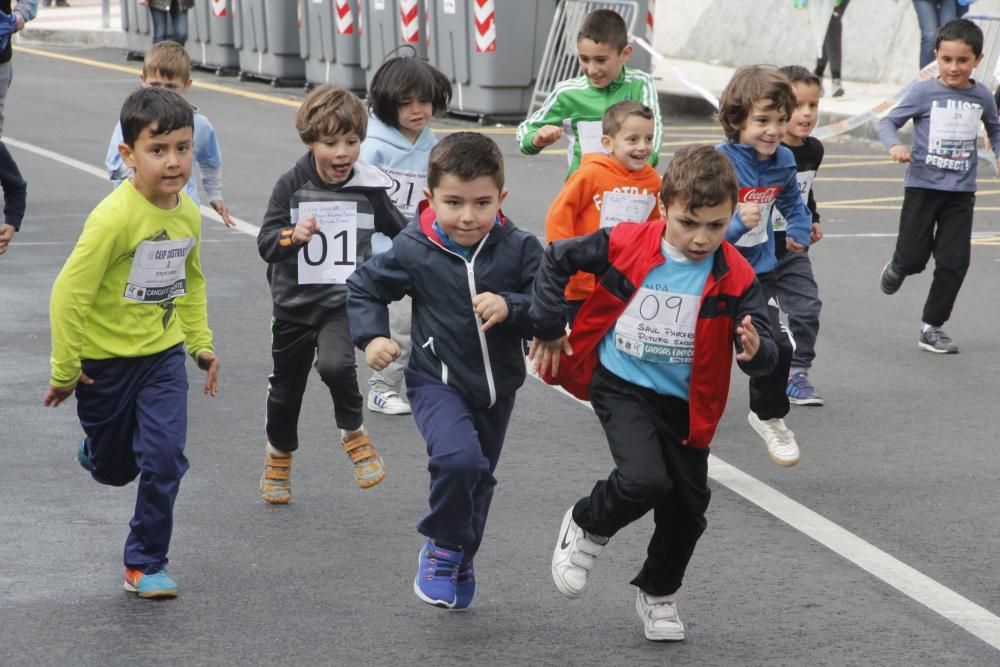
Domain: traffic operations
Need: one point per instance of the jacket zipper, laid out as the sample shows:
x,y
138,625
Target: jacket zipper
x,y
470,273
444,366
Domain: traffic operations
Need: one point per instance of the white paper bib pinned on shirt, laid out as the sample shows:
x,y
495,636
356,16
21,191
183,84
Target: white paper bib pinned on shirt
x,y
158,270
330,257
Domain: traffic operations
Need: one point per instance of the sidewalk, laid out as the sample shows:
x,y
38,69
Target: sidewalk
x,y
80,24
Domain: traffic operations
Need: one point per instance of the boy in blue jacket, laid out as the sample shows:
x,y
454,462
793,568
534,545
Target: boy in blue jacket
x,y
469,272
754,111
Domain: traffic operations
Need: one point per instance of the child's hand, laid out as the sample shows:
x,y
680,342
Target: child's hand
x,y
899,153
209,363
304,230
223,210
547,135
749,339
6,236
750,214
56,395
816,233
793,246
545,353
380,352
491,308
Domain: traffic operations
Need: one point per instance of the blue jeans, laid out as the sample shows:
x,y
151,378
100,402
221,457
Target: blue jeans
x,y
931,15
178,20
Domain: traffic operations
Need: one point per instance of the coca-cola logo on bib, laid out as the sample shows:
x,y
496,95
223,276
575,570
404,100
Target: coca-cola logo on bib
x,y
759,195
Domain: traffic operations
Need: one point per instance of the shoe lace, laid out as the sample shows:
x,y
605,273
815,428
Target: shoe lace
x,y
440,568
782,434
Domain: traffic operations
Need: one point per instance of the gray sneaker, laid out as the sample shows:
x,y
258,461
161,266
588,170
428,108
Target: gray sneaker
x,y
936,340
891,279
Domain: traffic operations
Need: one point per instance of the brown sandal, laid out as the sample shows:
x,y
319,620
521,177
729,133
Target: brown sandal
x,y
275,483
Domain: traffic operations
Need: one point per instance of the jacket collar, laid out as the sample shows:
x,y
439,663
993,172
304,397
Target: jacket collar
x,y
427,218
783,157
363,175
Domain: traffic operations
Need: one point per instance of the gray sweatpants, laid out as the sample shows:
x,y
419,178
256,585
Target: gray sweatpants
x,y
798,295
391,377
6,76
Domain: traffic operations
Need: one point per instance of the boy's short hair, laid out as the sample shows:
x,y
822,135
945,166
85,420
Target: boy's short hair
x,y
161,107
605,26
405,76
330,110
701,175
799,74
467,156
961,30
749,85
618,113
168,59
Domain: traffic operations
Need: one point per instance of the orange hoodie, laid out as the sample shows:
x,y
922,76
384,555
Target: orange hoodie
x,y
577,210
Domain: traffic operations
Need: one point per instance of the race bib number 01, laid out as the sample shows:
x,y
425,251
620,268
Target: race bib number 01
x,y
625,207
659,327
330,257
765,198
157,272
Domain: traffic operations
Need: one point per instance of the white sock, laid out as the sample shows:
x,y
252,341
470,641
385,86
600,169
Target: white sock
x,y
924,327
344,434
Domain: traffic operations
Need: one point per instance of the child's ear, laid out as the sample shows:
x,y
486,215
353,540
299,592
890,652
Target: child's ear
x,y
627,52
503,195
187,87
430,199
142,79
126,154
606,143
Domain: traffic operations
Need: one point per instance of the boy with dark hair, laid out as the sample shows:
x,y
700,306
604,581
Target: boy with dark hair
x,y
754,110
797,289
316,231
168,65
655,363
940,186
577,105
610,187
469,272
127,301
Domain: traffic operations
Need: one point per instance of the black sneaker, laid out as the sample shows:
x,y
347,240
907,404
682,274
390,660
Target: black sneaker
x,y
936,340
891,279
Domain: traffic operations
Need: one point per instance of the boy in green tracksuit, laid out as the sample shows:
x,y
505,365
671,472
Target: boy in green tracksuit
x,y
577,105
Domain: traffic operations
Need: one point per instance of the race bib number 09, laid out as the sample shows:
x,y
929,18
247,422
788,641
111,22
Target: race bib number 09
x,y
330,257
157,272
659,327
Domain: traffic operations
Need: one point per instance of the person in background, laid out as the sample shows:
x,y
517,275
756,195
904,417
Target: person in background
x,y
169,12
831,49
931,15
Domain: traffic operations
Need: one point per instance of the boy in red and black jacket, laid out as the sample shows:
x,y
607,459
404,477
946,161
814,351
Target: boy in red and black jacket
x,y
662,286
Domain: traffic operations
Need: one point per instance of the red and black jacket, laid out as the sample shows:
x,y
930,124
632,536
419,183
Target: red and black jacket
x,y
622,257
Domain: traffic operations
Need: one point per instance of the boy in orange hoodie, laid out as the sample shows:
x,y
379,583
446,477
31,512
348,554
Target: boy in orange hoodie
x,y
607,188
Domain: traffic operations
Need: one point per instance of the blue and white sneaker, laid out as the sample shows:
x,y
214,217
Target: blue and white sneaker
x,y
82,457
387,402
437,575
465,586
150,586
801,392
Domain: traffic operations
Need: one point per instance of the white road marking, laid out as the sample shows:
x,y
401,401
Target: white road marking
x,y
960,610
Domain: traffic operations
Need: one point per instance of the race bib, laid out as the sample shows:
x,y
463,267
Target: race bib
x,y
658,327
407,190
157,272
805,180
951,140
588,133
625,207
330,257
765,198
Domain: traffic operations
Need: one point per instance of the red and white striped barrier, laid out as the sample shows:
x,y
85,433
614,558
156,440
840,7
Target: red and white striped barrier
x,y
649,20
345,18
219,8
484,17
409,21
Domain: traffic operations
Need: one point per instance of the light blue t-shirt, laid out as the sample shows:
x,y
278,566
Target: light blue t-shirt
x,y
652,343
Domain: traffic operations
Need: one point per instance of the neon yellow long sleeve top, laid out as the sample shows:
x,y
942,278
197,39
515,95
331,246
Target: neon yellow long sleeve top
x,y
122,292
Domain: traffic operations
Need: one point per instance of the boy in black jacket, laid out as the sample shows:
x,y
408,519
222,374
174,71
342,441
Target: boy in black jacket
x,y
317,229
469,271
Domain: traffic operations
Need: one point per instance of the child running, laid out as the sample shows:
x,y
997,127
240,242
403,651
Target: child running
x,y
317,229
469,271
652,349
129,299
405,94
797,289
940,187
577,105
168,65
754,111
610,187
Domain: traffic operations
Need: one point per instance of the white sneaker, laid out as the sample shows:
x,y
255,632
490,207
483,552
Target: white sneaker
x,y
387,402
659,617
574,556
780,440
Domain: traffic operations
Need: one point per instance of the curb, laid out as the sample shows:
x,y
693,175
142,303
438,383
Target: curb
x,y
116,39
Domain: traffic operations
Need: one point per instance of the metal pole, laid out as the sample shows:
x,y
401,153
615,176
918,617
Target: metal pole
x,y
106,14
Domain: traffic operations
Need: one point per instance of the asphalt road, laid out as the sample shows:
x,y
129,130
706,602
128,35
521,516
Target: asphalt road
x,y
903,456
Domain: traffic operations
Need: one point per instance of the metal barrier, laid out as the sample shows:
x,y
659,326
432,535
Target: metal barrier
x,y
986,71
559,61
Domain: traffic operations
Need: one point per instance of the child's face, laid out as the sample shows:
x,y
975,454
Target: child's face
x,y
161,163
601,62
806,112
414,115
763,129
335,154
632,143
697,234
156,80
466,210
956,62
